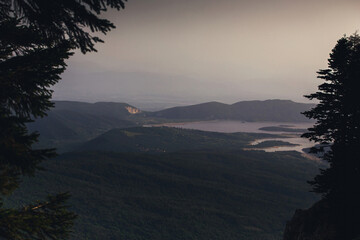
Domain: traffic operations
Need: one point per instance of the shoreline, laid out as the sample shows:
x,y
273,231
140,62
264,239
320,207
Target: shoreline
x,y
233,126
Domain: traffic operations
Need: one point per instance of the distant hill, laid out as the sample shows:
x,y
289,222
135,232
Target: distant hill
x,y
64,124
178,196
73,122
252,111
106,109
206,111
166,139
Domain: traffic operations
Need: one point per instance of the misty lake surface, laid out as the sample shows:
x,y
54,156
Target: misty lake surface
x,y
253,127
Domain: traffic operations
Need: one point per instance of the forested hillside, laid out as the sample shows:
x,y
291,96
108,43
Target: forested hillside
x,y
167,139
183,195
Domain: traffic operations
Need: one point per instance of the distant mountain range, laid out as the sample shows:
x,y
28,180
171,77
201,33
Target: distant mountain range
x,y
71,122
269,110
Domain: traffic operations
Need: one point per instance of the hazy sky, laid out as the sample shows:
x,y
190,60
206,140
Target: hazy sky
x,y
202,50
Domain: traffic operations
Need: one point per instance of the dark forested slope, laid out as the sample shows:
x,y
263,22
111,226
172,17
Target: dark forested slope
x,y
167,139
183,195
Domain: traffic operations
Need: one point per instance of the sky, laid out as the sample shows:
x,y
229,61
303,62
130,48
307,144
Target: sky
x,y
171,52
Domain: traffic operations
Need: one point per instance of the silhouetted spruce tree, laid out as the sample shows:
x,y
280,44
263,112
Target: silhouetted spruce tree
x,y
338,126
36,37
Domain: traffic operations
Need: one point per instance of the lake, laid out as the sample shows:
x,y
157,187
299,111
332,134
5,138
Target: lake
x,y
253,127
235,126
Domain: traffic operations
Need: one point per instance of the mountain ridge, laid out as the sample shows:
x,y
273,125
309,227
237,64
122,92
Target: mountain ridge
x,y
267,110
71,122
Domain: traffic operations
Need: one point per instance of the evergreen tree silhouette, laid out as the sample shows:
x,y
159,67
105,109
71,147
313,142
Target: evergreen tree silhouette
x,y
337,132
36,37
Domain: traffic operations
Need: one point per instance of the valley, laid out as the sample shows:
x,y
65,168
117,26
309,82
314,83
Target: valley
x,y
137,175
179,120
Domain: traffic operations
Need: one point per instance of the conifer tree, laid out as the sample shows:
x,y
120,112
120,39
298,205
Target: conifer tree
x,y
337,132
36,37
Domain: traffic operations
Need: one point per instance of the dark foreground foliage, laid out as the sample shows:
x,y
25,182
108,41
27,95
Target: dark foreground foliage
x,y
36,37
181,195
337,134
